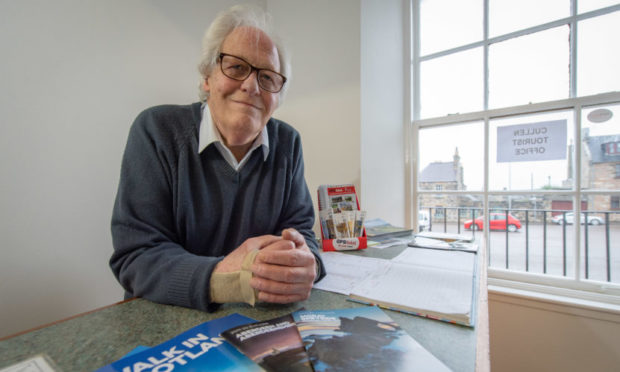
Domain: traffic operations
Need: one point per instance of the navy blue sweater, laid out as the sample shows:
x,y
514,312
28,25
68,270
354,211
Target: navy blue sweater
x,y
178,212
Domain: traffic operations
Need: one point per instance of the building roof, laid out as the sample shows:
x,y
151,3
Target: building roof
x,y
596,145
438,172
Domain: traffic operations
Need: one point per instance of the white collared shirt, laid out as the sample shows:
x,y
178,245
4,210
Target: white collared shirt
x,y
208,134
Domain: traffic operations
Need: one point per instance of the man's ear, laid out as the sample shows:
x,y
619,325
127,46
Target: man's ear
x,y
205,84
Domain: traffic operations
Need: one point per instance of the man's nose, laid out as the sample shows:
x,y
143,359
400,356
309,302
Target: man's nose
x,y
250,84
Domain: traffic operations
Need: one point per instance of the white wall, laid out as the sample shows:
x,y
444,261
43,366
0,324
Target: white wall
x,y
323,102
528,334
384,107
75,74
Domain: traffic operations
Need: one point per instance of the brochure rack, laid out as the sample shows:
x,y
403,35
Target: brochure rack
x,y
338,199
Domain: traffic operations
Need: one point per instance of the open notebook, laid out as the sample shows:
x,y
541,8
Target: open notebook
x,y
438,284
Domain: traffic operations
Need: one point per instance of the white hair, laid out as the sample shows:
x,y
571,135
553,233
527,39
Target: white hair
x,y
223,25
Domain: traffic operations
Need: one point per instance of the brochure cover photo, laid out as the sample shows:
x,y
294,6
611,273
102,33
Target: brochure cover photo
x,y
361,339
274,344
200,348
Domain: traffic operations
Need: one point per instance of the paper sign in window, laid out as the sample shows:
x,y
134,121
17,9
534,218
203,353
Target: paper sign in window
x,y
544,140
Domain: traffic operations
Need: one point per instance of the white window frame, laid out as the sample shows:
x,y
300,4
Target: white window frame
x,y
573,286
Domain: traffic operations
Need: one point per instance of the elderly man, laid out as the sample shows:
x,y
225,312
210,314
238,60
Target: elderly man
x,y
212,205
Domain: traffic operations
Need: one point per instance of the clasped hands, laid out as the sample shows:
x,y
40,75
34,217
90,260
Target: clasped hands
x,y
283,270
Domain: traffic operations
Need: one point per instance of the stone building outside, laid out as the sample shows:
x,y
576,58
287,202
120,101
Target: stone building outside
x,y
600,171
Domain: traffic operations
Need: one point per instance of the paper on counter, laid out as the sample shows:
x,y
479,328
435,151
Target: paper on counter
x,y
345,271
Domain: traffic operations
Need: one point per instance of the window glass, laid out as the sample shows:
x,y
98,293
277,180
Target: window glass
x,y
600,139
531,152
449,213
588,5
535,242
452,84
598,55
532,159
441,29
452,157
600,237
531,68
600,136
506,16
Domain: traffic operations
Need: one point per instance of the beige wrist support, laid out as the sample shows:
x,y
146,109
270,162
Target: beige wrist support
x,y
235,286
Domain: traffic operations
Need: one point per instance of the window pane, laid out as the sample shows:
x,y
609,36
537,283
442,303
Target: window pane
x,y
600,141
451,157
532,68
598,55
448,213
441,29
597,235
588,5
531,138
506,16
452,84
535,242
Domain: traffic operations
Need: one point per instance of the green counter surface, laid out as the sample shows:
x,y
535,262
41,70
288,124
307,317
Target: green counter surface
x,y
95,339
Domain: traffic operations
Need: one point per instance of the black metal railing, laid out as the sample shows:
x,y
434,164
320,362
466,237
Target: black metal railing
x,y
535,217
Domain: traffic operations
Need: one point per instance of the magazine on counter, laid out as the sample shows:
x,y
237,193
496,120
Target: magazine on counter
x,y
361,339
274,344
378,228
200,348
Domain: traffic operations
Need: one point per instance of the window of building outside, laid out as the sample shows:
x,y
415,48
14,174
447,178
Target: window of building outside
x,y
612,148
615,202
516,112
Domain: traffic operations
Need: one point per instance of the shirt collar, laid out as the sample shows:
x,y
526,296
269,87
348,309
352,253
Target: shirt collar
x,y
208,134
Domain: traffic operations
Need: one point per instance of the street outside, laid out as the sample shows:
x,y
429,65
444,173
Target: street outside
x,y
597,251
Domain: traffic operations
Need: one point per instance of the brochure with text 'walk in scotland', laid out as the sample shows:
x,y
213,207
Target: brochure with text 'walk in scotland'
x,y
361,339
274,344
200,348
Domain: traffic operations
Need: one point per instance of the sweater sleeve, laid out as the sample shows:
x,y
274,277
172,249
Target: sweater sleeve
x,y
149,260
299,211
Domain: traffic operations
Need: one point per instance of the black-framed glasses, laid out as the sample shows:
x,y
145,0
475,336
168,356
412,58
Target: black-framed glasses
x,y
239,69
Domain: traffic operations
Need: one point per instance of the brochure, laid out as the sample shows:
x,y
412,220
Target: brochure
x,y
274,344
378,228
200,348
361,339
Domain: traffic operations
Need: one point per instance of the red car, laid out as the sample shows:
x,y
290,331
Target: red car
x,y
496,222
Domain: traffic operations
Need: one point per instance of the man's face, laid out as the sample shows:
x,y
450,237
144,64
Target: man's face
x,y
240,109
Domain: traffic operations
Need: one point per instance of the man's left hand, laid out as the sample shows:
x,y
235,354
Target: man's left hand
x,y
284,271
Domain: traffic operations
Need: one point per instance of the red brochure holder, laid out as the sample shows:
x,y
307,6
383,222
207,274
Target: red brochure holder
x,y
339,197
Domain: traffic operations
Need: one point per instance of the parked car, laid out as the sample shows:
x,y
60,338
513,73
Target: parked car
x,y
497,221
570,219
423,220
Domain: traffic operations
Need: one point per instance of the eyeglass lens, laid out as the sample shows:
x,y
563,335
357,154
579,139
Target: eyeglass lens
x,y
238,69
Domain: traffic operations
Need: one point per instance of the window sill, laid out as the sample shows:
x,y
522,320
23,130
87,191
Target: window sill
x,y
567,301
